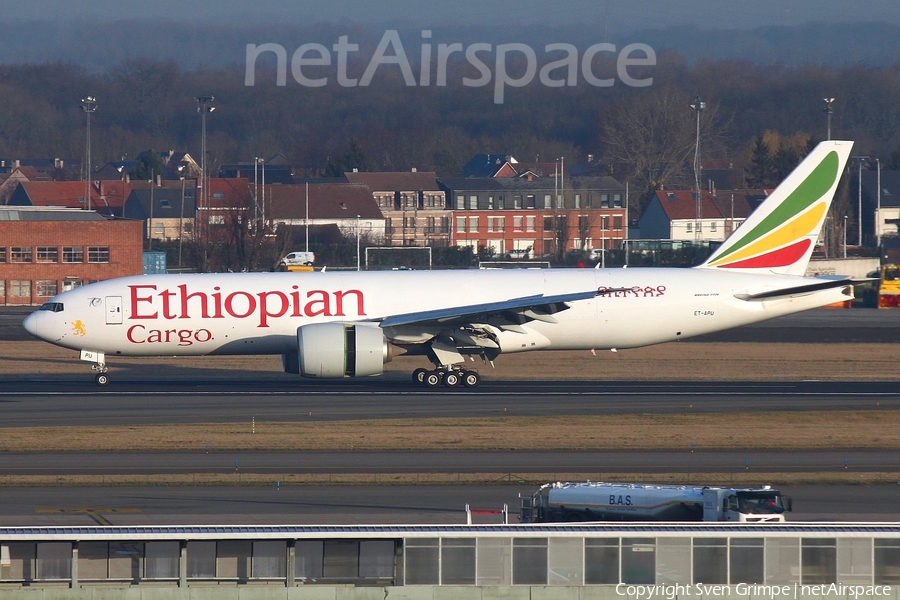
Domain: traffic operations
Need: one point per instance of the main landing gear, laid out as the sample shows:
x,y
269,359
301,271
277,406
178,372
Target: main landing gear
x,y
448,377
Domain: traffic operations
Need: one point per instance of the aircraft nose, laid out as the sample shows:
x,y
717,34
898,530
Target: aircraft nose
x,y
31,324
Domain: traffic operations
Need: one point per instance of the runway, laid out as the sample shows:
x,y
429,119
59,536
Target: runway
x,y
72,400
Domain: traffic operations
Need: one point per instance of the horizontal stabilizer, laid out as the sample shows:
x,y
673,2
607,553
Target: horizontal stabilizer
x,y
799,290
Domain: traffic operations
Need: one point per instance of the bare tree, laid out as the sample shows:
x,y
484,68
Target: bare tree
x,y
649,137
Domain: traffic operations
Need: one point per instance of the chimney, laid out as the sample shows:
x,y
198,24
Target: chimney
x,y
413,169
590,158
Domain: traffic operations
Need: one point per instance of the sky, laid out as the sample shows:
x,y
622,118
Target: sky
x,y
623,16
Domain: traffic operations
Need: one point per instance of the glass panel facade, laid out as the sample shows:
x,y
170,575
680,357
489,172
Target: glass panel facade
x,y
341,559
233,559
638,560
530,561
782,561
601,560
93,560
673,560
376,559
819,559
711,560
269,559
458,561
54,560
161,560
887,562
854,561
565,561
747,560
494,561
422,561
308,557
126,560
201,560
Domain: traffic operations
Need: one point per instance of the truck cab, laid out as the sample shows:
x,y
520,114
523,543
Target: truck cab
x,y
752,505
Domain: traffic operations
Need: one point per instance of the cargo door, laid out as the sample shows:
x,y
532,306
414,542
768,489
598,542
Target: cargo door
x,y
114,310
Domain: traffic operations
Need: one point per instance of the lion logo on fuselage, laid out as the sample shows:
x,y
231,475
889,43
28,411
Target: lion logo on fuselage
x,y
78,328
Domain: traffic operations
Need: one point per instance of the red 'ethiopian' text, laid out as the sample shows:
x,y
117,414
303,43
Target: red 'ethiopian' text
x,y
149,303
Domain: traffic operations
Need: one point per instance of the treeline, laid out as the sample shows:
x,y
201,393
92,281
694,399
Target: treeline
x,y
149,104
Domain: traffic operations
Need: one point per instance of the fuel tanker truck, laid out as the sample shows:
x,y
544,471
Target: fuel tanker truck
x,y
598,501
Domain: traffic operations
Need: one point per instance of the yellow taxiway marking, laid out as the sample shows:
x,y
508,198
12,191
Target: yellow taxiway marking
x,y
94,513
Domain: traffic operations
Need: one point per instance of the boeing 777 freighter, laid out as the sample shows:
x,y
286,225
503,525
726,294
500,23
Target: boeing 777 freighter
x,y
334,325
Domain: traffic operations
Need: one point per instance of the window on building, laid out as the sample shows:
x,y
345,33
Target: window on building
x,y
529,223
219,195
159,229
517,201
473,202
689,227
517,223
460,224
500,203
20,288
501,223
388,228
473,224
490,224
47,254
584,223
490,202
617,200
445,224
2,290
712,226
604,200
429,225
617,223
98,254
47,287
548,201
20,254
2,254
73,254
577,200
548,223
460,202
529,201
216,219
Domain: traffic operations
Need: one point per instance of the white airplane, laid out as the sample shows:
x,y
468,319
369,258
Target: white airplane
x,y
334,324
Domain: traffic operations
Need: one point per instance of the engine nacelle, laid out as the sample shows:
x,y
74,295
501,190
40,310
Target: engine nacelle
x,y
335,350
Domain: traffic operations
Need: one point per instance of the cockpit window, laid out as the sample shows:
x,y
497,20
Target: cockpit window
x,y
52,306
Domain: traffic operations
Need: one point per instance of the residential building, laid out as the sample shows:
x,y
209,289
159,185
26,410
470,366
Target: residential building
x,y
518,215
349,206
64,194
414,206
167,208
47,251
672,215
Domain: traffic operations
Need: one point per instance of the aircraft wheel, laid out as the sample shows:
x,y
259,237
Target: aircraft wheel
x,y
432,379
101,378
471,379
452,379
418,375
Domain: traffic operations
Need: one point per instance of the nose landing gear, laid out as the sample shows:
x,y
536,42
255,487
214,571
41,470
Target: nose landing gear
x,y
99,367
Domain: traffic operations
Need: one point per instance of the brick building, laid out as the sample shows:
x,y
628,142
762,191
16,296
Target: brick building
x,y
47,251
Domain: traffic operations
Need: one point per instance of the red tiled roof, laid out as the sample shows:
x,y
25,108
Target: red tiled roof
x,y
326,201
680,204
69,194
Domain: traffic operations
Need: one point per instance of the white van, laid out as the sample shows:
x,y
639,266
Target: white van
x,y
298,259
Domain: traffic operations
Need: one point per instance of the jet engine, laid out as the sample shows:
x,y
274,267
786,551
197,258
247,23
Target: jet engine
x,y
335,350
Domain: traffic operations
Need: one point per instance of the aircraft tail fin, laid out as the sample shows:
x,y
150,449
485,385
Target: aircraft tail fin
x,y
780,235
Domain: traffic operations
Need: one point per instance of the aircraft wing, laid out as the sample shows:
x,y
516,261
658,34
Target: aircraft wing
x,y
820,283
514,311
